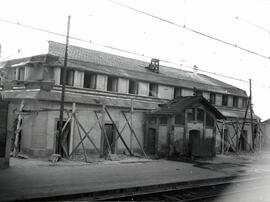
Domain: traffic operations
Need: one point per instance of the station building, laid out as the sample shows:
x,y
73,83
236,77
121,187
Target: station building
x,y
119,105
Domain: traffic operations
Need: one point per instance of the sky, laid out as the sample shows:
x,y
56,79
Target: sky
x,y
244,23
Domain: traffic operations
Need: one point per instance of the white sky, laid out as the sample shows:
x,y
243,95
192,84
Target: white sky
x,y
104,22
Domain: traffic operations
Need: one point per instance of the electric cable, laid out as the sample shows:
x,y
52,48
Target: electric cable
x,y
190,29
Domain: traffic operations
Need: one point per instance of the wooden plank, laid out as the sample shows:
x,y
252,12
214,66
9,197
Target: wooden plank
x,y
80,125
16,142
134,135
72,127
101,126
84,151
122,139
89,132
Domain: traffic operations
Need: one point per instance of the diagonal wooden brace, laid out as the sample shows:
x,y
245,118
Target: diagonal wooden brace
x,y
120,136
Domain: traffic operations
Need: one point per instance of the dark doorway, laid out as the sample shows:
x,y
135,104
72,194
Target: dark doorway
x,y
64,141
3,127
110,132
194,143
151,143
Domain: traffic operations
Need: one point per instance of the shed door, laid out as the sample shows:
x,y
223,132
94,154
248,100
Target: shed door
x,y
151,146
64,149
194,142
110,132
3,127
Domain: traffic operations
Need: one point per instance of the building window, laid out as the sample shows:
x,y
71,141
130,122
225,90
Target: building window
x,y
69,77
213,98
191,114
153,89
89,80
177,92
112,84
225,100
180,119
163,120
198,92
133,87
21,72
209,120
200,114
152,120
244,105
235,101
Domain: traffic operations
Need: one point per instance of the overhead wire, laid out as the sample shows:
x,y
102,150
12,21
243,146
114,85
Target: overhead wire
x,y
190,29
253,24
121,50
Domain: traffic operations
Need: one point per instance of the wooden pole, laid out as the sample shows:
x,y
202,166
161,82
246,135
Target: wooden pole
x,y
243,125
17,132
71,138
84,151
251,114
131,129
222,139
131,123
103,132
63,91
120,136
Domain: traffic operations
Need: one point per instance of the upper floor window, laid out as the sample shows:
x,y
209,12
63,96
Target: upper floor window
x,y
200,115
177,92
210,122
180,119
212,98
191,114
21,72
163,120
133,87
244,102
153,89
152,120
69,77
112,84
235,101
90,80
225,100
198,92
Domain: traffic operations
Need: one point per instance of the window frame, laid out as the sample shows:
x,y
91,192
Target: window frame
x,y
114,81
235,101
155,89
182,119
90,74
136,87
177,92
68,71
224,100
212,98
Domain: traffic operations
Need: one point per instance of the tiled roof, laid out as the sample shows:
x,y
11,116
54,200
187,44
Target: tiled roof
x,y
132,68
179,104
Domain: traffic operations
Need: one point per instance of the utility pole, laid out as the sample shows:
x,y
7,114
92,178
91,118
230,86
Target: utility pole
x,y
251,114
64,75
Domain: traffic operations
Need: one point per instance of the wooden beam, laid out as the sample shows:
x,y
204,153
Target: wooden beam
x,y
17,132
84,151
122,139
134,134
80,125
72,127
101,126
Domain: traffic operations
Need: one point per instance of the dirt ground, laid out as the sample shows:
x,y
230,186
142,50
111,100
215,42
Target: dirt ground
x,y
28,178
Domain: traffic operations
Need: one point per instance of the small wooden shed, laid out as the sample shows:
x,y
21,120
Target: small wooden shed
x,y
184,126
